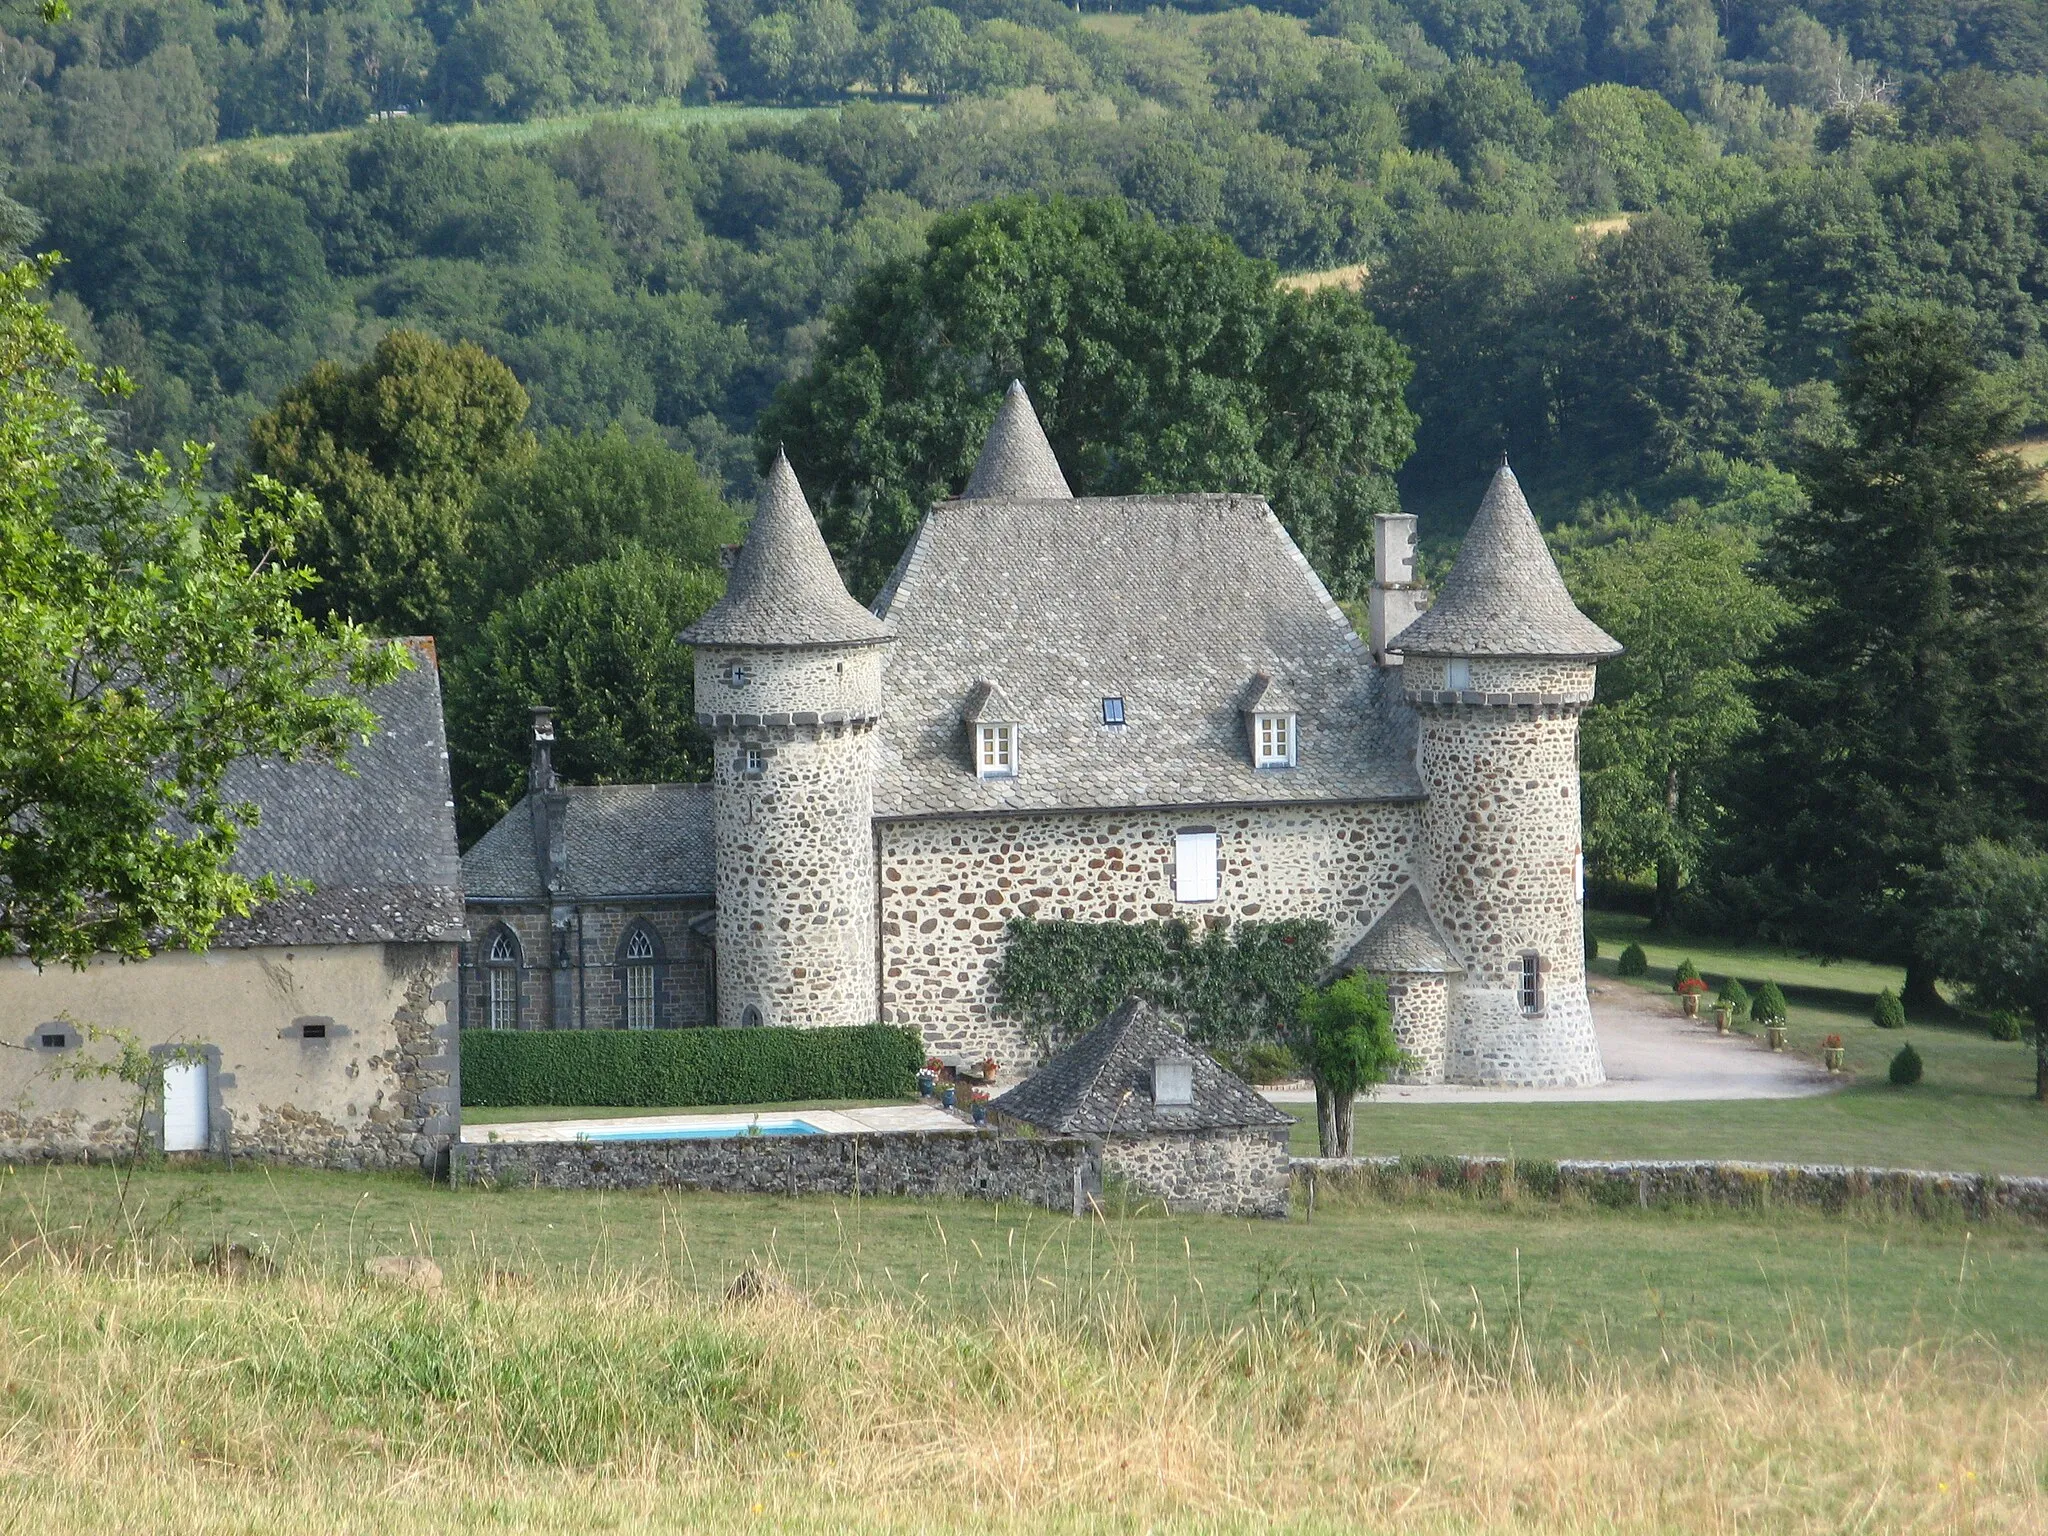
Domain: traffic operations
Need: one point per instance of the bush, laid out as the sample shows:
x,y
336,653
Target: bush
x,y
1686,971
1592,947
660,1067
1905,1067
1262,1062
1768,1007
2006,1026
1736,996
1633,962
1888,1012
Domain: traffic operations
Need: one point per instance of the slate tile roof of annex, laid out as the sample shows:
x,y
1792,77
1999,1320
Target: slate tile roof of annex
x,y
618,841
783,588
1171,603
1504,596
1101,1085
1404,941
378,844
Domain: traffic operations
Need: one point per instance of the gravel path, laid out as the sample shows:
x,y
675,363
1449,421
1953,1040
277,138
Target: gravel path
x,y
1652,1054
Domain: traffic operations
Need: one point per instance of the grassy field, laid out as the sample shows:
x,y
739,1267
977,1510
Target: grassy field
x,y
1426,1366
1973,1111
536,130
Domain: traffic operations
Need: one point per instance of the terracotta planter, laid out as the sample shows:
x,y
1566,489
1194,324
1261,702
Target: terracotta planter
x,y
1775,1035
1722,1014
1833,1055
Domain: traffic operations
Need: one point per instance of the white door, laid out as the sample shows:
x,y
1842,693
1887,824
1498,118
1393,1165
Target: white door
x,y
185,1124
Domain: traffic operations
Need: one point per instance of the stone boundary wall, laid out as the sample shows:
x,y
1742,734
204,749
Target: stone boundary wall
x,y
977,1165
1644,1184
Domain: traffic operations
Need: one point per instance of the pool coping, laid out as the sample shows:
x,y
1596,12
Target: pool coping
x,y
645,1128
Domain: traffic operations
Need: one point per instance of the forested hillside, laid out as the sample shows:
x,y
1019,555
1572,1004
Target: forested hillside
x,y
1631,242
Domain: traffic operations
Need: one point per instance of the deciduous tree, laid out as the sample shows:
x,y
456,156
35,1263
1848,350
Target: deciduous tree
x,y
1987,926
1347,1033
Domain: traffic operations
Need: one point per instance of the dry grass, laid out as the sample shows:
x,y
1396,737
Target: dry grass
x,y
1352,277
1600,229
153,1395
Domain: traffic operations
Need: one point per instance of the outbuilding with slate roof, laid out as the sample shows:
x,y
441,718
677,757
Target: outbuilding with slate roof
x,y
320,1029
1166,1120
591,906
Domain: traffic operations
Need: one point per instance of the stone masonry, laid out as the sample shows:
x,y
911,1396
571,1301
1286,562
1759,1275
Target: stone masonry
x,y
1228,1172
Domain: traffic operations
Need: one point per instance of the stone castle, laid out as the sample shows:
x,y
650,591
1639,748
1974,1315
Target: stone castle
x,y
1115,709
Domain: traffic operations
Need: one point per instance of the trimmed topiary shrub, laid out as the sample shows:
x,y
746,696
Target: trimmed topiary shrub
x,y
1888,1012
1768,1006
1592,947
1736,996
1686,971
661,1067
1905,1067
2005,1026
1633,962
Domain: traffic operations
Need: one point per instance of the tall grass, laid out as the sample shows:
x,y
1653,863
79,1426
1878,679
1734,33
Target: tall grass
x,y
143,1392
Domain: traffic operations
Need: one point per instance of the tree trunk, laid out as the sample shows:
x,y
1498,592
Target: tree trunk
x,y
1345,1104
1920,996
1665,915
1326,1121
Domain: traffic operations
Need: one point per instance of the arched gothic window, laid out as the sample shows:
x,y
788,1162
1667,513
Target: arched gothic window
x,y
501,964
750,1017
640,980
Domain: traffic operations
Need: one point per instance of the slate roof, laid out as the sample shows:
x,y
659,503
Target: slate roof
x,y
1102,1085
1504,596
1172,603
1404,941
1016,462
378,844
618,840
784,589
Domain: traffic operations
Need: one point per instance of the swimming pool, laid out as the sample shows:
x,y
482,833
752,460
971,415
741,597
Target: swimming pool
x,y
779,1125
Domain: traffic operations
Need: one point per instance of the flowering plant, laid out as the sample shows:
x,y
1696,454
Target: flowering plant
x,y
978,1096
1831,1042
1692,986
932,1064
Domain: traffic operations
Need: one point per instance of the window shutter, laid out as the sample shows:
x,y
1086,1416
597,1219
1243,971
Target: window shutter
x,y
1194,866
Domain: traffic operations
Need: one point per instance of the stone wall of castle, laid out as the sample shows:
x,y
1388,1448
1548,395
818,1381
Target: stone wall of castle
x,y
950,888
1421,1007
1500,841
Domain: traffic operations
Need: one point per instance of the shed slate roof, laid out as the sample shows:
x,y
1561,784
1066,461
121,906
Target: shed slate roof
x,y
1404,941
1016,462
1504,596
618,840
378,844
1102,1084
1171,603
784,589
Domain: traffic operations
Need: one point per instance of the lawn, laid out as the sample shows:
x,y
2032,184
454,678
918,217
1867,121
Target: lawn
x,y
535,130
1972,1112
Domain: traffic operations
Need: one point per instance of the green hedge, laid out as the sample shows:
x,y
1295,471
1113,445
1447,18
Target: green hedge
x,y
660,1067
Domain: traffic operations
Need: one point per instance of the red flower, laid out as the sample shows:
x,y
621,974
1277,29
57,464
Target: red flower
x,y
1692,985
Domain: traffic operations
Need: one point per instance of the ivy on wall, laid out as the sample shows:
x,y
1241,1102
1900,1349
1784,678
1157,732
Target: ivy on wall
x,y
1229,985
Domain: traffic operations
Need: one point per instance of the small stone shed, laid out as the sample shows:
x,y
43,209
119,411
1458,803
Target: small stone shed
x,y
1164,1117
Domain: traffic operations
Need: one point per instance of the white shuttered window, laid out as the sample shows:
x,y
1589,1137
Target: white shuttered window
x,y
1194,866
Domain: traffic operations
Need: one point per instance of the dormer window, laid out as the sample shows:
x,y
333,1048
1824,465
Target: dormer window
x,y
1112,711
1273,740
1458,675
996,751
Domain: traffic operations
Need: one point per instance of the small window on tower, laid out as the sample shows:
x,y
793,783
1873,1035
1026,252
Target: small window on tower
x,y
996,751
1458,675
1275,741
1112,711
1529,982
753,762
738,675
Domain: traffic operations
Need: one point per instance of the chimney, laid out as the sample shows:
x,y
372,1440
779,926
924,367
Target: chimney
x,y
540,772
1396,599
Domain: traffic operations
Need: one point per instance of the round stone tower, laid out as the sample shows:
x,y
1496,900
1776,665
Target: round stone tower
x,y
1497,671
789,684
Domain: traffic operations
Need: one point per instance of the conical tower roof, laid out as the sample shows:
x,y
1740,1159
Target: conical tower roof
x,y
1504,596
1016,462
784,589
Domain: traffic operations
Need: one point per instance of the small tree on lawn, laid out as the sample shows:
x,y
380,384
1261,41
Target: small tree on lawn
x,y
1348,1039
1988,921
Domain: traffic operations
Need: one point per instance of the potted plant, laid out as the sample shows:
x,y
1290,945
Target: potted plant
x,y
978,1101
988,1069
947,1096
1723,1012
1831,1052
1768,1009
927,1083
1690,990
